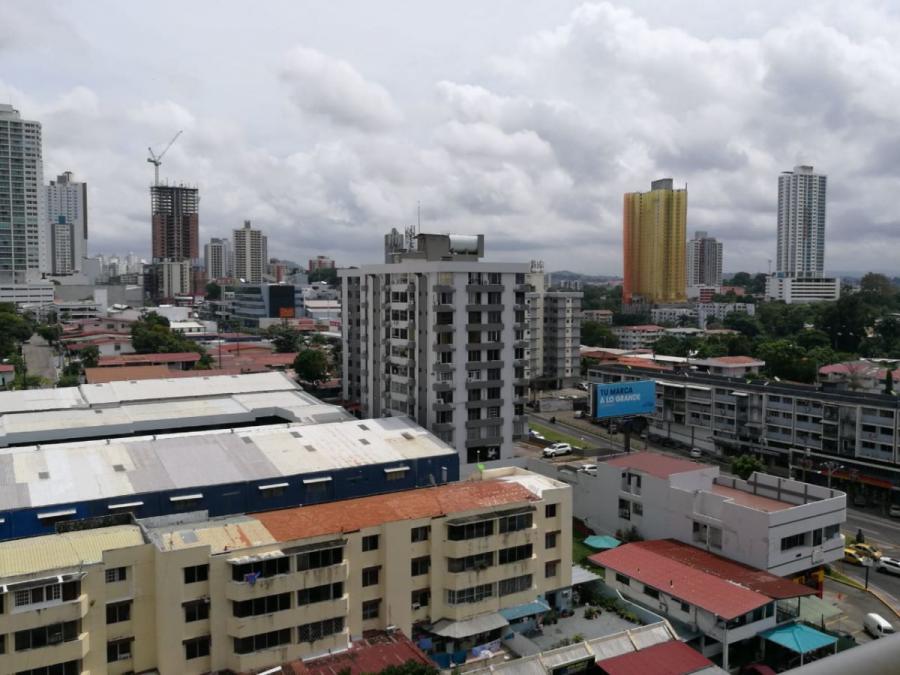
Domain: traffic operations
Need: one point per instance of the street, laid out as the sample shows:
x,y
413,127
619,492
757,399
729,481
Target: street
x,y
39,358
884,533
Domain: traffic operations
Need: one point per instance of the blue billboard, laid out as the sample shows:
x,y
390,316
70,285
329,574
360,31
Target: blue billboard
x,y
624,398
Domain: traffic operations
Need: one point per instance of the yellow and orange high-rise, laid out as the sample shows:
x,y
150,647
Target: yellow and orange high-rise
x,y
654,239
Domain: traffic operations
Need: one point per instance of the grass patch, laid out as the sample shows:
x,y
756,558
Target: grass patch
x,y
580,552
832,573
555,436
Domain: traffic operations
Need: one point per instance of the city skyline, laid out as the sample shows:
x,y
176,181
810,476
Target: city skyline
x,y
512,138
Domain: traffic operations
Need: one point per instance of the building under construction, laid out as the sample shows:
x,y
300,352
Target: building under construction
x,y
175,222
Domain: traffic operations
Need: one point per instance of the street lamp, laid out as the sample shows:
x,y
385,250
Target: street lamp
x,y
830,468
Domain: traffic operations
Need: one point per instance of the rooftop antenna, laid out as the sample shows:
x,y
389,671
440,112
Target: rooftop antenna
x,y
156,160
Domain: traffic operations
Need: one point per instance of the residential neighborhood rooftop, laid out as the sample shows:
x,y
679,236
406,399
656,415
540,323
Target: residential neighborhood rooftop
x,y
656,464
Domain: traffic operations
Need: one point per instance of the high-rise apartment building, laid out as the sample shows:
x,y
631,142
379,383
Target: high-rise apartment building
x,y
654,233
250,254
66,210
24,230
175,222
217,256
801,223
553,318
320,262
441,336
704,261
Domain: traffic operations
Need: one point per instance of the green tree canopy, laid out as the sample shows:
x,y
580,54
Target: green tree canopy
x,y
90,356
311,365
845,322
213,291
285,338
786,360
596,334
743,466
743,323
152,335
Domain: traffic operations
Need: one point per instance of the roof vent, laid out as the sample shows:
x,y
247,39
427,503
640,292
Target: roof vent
x,y
44,475
364,441
98,412
310,448
408,436
296,434
119,468
363,427
247,439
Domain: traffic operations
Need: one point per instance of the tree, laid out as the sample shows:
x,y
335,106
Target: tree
x,y
311,365
781,320
14,329
888,381
877,288
669,345
68,381
285,338
786,360
809,339
596,334
742,322
327,274
410,668
213,291
50,333
743,466
90,356
845,322
152,335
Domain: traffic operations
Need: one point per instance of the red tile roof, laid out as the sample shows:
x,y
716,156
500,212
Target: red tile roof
x,y
665,658
372,654
6,368
733,360
123,373
694,586
355,514
656,464
749,577
129,359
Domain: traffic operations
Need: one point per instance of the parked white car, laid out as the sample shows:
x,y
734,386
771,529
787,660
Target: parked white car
x,y
888,565
557,449
696,453
590,469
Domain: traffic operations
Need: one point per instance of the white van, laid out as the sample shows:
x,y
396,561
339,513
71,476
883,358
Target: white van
x,y
876,626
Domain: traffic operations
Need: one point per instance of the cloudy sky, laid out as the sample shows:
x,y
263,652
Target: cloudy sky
x,y
326,122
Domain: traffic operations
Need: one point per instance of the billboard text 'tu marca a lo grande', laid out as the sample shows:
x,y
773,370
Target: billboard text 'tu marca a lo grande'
x,y
624,398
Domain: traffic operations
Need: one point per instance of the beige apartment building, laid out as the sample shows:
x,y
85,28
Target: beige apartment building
x,y
187,594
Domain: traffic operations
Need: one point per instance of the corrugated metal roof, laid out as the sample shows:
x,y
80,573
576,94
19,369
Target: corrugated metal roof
x,y
656,464
221,534
64,551
565,655
143,390
667,658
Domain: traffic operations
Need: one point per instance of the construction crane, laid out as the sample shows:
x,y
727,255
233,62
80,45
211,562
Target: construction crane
x,y
156,160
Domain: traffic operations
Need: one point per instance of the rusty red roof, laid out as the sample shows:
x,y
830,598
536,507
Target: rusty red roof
x,y
666,658
351,515
745,575
134,359
656,464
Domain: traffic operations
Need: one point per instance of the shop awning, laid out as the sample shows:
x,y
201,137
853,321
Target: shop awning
x,y
528,609
474,626
799,638
601,542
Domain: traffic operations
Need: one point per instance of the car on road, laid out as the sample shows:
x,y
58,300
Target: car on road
x,y
894,511
590,469
867,550
580,414
558,449
877,626
888,565
696,453
854,557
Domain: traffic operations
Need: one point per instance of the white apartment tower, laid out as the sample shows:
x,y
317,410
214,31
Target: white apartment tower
x,y
217,255
66,209
801,223
704,261
250,254
24,231
441,336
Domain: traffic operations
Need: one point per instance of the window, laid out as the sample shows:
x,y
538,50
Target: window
x,y
637,508
196,574
550,539
370,542
832,531
793,541
310,632
310,596
371,609
118,611
817,537
550,511
520,521
551,568
421,597
268,604
685,607
196,647
479,561
422,533
260,569
36,638
514,554
622,579
195,610
322,558
468,595
514,585
484,528
255,643
420,566
370,575
624,509
115,574
652,592
118,650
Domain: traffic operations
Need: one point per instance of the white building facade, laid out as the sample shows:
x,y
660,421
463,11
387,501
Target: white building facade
x,y
218,259
794,290
250,254
440,336
801,222
24,232
704,261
